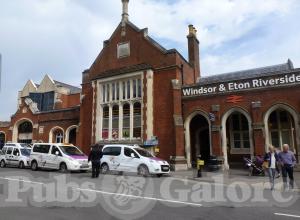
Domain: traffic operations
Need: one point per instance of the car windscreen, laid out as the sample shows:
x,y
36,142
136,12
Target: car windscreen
x,y
71,150
143,153
25,152
24,145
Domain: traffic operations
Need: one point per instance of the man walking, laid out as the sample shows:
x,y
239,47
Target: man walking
x,y
288,161
95,157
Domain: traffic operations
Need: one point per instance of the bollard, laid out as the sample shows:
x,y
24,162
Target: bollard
x,y
200,163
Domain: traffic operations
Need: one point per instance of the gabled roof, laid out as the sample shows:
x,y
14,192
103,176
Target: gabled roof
x,y
73,89
246,74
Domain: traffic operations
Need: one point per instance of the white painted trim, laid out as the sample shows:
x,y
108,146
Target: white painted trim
x,y
16,126
51,133
94,85
120,77
149,104
188,134
67,139
224,135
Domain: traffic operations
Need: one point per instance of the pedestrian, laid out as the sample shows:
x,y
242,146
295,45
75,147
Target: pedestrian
x,y
288,161
277,150
271,158
95,157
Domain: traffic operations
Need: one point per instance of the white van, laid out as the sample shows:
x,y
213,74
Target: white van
x,y
124,158
63,157
16,155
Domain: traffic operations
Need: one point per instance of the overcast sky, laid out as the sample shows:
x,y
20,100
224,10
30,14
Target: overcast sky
x,y
63,37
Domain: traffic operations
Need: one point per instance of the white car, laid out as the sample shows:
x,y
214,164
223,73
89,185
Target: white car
x,y
124,158
15,154
63,157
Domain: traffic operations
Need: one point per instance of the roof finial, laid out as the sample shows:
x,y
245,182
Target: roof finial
x,y
125,15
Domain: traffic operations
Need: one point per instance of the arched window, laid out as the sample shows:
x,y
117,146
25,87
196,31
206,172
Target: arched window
x,y
281,127
25,127
105,122
238,131
115,122
137,120
25,132
2,139
59,136
126,121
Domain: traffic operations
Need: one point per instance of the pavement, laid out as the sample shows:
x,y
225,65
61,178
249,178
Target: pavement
x,y
49,195
228,176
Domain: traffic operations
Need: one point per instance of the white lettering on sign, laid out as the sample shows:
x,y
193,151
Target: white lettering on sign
x,y
238,86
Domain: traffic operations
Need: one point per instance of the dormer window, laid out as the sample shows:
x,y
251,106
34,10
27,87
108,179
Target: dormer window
x,y
123,50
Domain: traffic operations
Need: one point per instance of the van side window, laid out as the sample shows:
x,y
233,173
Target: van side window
x,y
54,149
41,148
16,152
9,150
112,151
128,152
4,150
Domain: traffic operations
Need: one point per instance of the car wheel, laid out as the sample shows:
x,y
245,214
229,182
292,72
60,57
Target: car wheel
x,y
143,171
21,165
2,164
63,168
104,168
34,166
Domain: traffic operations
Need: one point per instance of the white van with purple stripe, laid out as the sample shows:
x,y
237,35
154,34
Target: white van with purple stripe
x,y
127,158
63,157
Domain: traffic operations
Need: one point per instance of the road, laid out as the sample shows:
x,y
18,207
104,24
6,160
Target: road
x,y
25,194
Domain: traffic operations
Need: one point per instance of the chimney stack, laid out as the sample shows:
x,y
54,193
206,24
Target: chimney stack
x,y
125,15
193,50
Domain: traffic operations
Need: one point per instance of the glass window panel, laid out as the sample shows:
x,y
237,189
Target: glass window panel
x,y
237,144
275,138
105,122
128,89
113,91
139,88
118,91
273,122
124,90
235,122
134,88
103,93
286,137
108,92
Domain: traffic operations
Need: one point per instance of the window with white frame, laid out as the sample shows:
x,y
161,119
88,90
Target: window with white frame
x,y
59,137
121,105
239,131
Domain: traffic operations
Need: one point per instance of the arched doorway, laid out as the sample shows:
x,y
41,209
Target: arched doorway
x,y
71,134
237,141
25,132
2,139
198,128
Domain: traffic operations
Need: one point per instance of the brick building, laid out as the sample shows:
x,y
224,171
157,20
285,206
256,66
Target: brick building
x,y
138,92
47,112
128,91
241,113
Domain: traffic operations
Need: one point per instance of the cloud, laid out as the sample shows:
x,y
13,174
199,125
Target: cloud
x,y
63,37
